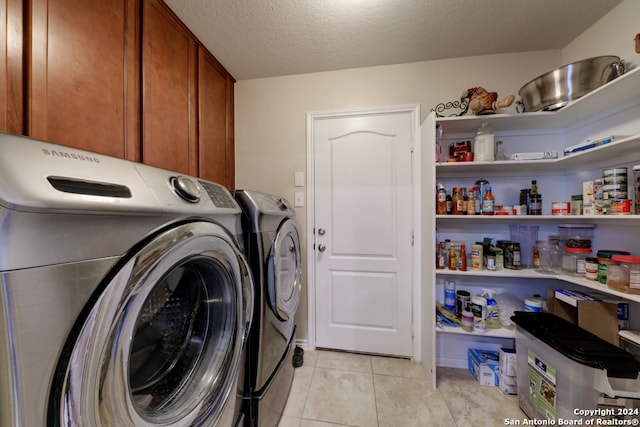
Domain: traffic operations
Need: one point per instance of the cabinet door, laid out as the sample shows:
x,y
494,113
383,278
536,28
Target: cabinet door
x,y
169,120
215,107
83,85
11,65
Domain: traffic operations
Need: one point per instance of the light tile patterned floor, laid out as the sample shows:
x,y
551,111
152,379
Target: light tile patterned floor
x,y
334,389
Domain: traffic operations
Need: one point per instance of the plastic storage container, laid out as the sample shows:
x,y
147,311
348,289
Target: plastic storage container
x,y
527,236
574,261
624,274
604,259
559,367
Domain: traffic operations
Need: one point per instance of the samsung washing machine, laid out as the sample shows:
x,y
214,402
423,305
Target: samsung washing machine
x,y
125,297
272,247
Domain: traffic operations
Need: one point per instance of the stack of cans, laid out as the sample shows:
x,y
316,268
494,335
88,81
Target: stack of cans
x,y
615,192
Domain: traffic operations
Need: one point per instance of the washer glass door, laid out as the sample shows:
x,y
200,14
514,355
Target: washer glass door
x,y
284,271
161,343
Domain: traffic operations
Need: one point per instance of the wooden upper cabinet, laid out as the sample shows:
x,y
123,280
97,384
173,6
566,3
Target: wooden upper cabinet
x,y
216,133
169,91
11,67
83,85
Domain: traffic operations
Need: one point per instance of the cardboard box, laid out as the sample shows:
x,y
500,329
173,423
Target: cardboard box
x,y
508,360
484,366
508,384
594,312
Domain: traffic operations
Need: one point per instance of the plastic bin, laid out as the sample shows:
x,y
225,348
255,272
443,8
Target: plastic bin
x,y
561,368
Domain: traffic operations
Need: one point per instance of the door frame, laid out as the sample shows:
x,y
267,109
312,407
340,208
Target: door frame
x,y
416,276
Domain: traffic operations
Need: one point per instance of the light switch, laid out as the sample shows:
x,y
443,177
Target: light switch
x,y
298,199
298,179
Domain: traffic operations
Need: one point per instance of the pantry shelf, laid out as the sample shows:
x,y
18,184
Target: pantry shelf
x,y
518,219
493,333
525,273
611,96
620,148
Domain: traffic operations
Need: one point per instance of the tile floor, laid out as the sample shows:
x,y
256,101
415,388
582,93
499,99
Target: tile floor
x,y
334,389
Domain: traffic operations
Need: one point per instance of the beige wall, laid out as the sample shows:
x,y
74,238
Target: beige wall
x,y
270,113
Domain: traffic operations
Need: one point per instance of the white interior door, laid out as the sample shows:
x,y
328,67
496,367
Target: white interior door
x,y
363,232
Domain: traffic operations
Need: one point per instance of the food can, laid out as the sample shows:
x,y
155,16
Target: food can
x,y
560,208
462,301
591,268
620,207
614,176
476,257
576,204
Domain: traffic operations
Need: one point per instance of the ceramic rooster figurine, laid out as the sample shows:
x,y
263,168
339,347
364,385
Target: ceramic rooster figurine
x,y
483,102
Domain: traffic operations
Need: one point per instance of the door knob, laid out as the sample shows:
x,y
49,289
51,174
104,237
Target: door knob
x,y
321,231
322,247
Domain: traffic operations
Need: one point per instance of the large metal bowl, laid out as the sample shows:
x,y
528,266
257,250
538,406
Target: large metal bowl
x,y
555,89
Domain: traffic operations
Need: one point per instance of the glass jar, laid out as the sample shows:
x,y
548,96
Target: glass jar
x,y
574,261
624,275
484,147
535,204
591,269
604,259
550,258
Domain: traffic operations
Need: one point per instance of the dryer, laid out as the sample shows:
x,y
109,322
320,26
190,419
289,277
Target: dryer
x,y
125,297
272,247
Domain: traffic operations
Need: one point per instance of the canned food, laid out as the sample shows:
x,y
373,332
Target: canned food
x,y
620,207
591,267
616,195
614,187
512,256
576,204
560,208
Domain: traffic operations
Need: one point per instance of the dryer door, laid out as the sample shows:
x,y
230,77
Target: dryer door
x,y
161,342
284,271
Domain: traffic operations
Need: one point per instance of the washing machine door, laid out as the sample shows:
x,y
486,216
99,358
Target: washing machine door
x,y
284,271
161,342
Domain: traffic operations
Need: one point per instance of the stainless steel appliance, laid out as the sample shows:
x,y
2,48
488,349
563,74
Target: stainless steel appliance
x,y
124,294
272,246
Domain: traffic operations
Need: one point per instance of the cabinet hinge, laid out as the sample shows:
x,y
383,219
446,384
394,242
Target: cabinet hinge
x,y
413,238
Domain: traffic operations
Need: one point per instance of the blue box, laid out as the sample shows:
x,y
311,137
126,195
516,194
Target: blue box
x,y
484,365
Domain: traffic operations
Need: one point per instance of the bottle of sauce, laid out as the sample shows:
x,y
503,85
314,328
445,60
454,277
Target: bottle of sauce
x,y
471,202
463,257
488,202
456,202
441,260
534,187
477,199
453,259
449,204
441,200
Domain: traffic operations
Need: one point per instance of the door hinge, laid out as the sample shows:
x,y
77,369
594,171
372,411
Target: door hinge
x,y
413,238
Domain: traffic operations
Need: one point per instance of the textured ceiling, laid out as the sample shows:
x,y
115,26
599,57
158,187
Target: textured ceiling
x,y
264,38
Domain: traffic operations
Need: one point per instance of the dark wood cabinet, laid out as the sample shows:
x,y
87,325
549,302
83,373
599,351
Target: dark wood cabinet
x,y
82,75
11,67
124,78
215,130
169,91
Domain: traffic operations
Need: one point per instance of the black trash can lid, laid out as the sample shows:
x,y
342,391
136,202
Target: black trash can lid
x,y
577,344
